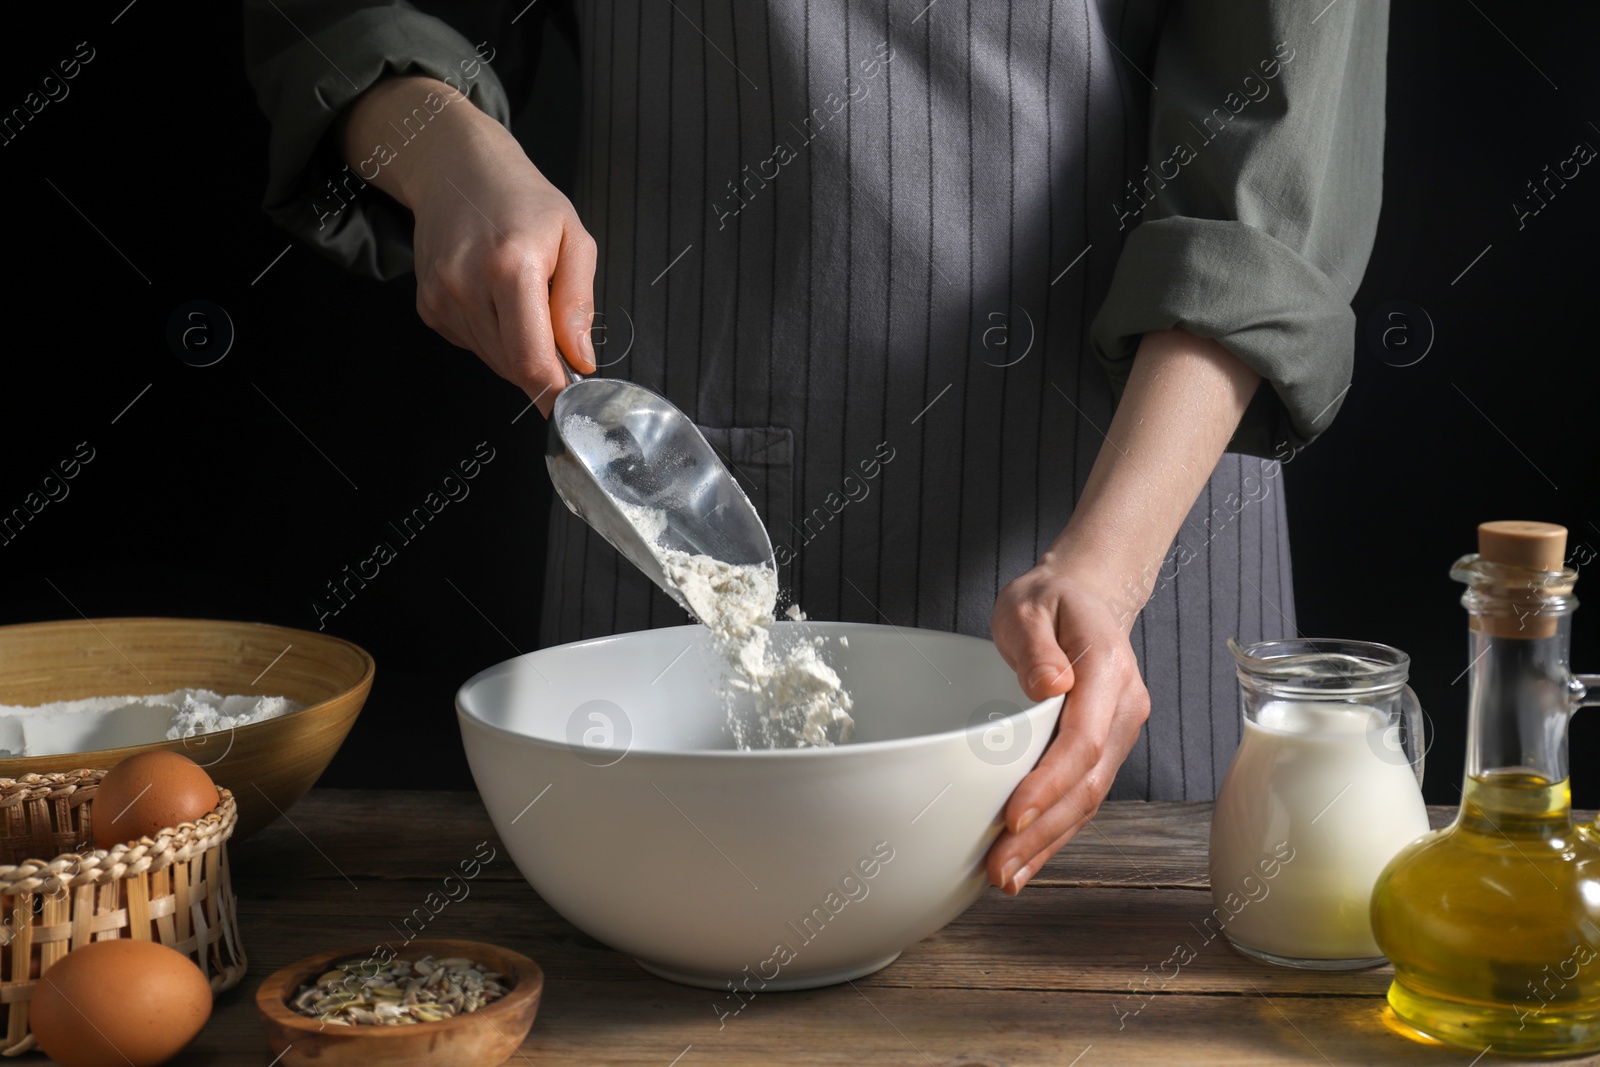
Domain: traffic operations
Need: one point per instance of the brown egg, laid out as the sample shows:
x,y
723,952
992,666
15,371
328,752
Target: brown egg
x,y
115,1003
147,793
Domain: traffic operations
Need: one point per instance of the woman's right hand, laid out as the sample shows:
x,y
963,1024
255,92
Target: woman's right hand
x,y
504,267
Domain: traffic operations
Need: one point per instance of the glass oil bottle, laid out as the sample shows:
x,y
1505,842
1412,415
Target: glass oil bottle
x,y
1493,923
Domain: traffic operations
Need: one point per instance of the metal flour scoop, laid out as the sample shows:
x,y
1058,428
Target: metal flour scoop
x,y
616,447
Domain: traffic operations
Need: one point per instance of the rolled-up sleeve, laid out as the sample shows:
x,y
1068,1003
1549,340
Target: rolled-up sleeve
x,y
1259,203
307,60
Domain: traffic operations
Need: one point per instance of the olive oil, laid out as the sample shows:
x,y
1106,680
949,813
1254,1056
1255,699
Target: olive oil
x,y
1493,925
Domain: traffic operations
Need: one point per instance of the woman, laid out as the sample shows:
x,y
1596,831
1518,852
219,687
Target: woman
x,y
872,252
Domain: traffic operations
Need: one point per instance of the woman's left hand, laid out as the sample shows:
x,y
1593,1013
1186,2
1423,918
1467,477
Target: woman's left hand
x,y
1064,629
1063,626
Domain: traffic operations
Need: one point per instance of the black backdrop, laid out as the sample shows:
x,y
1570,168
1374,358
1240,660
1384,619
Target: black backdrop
x,y
237,490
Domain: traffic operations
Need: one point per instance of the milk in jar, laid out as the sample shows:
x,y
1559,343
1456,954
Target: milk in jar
x,y
1321,794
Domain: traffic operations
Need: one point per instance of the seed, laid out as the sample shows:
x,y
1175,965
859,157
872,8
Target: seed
x,y
401,993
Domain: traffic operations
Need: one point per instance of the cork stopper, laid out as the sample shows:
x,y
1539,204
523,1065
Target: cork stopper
x,y
1541,546
1537,546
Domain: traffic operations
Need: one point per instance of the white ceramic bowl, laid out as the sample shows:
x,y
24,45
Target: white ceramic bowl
x,y
610,775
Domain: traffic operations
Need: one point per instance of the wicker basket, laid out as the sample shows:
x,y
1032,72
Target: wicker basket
x,y
174,889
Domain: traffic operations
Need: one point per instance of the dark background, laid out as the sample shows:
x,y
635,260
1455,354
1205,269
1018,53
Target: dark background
x,y
204,500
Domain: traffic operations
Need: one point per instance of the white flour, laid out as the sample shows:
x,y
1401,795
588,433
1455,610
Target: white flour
x,y
650,522
799,699
203,712
117,721
587,438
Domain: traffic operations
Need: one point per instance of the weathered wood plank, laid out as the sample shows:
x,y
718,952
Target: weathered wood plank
x,y
649,1022
1129,843
1132,843
1081,963
581,1023
1137,844
371,834
1090,939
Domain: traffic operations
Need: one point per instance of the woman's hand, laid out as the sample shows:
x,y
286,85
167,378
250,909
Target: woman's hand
x,y
1064,629
1063,626
503,265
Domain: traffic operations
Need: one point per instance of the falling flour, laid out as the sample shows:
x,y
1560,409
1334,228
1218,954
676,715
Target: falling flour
x,y
799,699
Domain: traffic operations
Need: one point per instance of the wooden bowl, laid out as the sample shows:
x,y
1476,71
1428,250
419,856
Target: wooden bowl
x,y
484,1038
269,765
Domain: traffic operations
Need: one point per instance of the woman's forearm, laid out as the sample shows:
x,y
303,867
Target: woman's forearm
x,y
1063,625
401,134
1184,399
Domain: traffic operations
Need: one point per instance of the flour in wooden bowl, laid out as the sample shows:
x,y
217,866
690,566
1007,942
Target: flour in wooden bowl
x,y
94,723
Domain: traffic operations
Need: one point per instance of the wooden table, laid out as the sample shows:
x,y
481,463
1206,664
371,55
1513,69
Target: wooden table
x,y
1044,978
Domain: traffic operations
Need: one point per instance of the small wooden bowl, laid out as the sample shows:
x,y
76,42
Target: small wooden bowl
x,y
484,1038
267,764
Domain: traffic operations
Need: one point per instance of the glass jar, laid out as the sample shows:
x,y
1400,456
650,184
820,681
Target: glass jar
x,y
1491,922
1322,792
